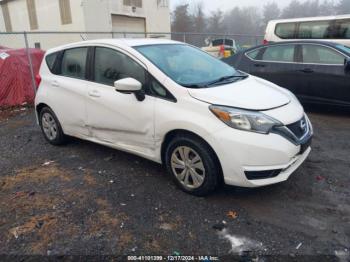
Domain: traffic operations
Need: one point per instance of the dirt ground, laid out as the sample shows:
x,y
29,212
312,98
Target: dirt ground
x,y
86,199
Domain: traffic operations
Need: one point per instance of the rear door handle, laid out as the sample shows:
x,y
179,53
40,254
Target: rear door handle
x,y
307,70
55,84
94,93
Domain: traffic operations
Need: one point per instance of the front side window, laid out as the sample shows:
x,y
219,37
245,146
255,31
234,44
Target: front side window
x,y
280,53
315,30
111,65
315,54
74,62
186,65
286,30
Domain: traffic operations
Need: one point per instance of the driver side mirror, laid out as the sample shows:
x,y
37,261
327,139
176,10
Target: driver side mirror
x,y
347,64
130,85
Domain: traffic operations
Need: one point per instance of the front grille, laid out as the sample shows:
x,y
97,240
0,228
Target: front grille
x,y
297,132
299,128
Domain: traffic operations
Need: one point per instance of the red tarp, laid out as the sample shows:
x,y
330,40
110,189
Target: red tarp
x,y
15,78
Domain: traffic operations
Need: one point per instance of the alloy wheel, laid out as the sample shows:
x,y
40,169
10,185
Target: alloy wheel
x,y
49,126
188,167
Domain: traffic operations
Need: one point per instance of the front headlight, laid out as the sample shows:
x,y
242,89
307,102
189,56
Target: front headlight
x,y
245,120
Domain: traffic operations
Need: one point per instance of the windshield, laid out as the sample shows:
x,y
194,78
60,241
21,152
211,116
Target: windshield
x,y
189,66
344,48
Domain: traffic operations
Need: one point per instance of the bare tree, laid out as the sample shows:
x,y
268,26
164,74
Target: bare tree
x,y
344,7
215,22
271,11
293,10
182,20
327,7
247,20
199,19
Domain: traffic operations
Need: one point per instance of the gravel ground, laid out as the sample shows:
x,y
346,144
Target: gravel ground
x,y
86,199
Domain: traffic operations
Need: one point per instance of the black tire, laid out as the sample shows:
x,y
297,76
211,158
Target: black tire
x,y
208,158
60,138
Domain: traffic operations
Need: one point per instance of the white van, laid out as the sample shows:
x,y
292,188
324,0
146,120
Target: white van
x,y
330,28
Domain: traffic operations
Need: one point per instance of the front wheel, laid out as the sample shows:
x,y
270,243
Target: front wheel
x,y
193,165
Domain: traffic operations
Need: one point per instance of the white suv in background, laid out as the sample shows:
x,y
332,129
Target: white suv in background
x,y
173,104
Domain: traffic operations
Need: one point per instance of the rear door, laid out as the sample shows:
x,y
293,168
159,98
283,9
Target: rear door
x,y
68,88
276,63
324,72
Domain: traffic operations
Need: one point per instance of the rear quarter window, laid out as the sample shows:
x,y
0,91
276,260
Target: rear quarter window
x,y
253,54
50,60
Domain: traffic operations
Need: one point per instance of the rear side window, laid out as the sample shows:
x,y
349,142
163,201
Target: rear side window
x,y
74,63
280,53
50,60
111,65
315,30
314,54
286,30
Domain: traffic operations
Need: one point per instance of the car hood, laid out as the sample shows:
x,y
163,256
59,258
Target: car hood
x,y
251,93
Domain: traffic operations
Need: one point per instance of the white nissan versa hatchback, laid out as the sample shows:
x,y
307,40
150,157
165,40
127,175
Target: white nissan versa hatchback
x,y
174,104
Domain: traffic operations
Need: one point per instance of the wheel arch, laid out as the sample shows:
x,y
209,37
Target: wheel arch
x,y
173,133
38,109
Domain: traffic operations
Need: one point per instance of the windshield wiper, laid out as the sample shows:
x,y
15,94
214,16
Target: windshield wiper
x,y
224,78
221,79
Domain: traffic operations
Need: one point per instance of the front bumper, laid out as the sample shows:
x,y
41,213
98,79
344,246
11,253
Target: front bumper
x,y
285,173
242,152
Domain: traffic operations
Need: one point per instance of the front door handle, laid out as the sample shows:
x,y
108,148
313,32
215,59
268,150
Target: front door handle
x,y
307,70
94,93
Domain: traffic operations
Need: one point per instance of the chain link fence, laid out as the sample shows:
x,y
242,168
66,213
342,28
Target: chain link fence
x,y
47,40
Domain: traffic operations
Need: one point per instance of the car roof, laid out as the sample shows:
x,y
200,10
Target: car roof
x,y
118,42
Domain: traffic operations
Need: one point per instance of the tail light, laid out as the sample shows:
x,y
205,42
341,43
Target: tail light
x,y
37,80
265,42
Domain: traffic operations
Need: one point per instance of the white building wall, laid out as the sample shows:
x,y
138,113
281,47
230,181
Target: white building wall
x,y
97,18
49,19
87,15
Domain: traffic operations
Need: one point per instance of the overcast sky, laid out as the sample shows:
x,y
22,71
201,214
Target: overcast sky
x,y
211,5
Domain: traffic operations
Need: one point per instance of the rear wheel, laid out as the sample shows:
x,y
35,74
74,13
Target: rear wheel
x,y
51,127
192,164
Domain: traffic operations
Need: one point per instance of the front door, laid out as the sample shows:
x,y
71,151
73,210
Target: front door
x,y
117,118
